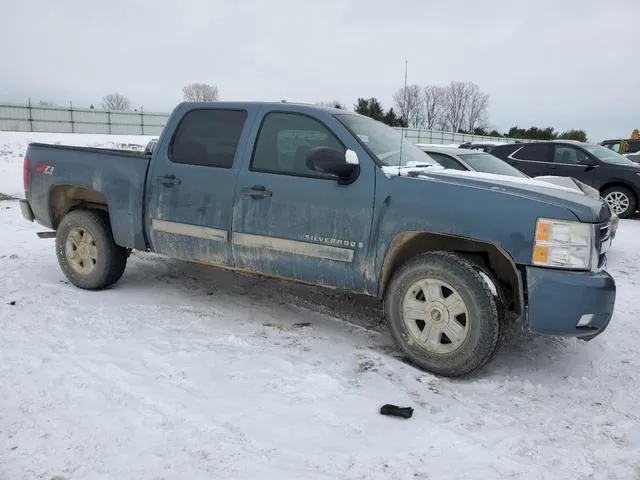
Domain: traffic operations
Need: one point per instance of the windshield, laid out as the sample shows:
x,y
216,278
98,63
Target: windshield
x,y
608,156
484,162
384,142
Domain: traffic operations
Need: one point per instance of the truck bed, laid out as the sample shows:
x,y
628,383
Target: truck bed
x,y
61,175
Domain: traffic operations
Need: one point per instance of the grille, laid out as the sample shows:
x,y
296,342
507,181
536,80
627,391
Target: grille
x,y
603,234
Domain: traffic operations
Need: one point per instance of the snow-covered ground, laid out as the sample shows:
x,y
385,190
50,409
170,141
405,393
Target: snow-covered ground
x,y
187,372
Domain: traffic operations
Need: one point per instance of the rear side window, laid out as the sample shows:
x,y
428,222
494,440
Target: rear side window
x,y
534,152
208,137
446,161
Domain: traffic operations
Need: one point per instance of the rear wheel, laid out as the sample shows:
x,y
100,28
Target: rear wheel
x,y
443,315
621,200
87,253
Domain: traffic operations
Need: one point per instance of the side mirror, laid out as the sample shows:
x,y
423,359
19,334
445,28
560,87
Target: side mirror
x,y
343,165
588,162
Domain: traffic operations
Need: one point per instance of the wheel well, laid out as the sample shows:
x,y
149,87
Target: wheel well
x,y
65,198
487,256
619,184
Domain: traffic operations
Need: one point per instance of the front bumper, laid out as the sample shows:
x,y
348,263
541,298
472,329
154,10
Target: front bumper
x,y
25,208
571,304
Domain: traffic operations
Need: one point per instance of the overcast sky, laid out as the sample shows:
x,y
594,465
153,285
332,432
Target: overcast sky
x,y
562,63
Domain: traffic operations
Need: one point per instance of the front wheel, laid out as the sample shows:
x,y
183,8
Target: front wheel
x,y
87,253
621,200
442,314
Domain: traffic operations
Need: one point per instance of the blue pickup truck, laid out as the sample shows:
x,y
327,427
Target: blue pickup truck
x,y
329,198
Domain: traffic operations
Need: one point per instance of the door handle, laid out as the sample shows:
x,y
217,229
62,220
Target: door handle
x,y
169,180
257,191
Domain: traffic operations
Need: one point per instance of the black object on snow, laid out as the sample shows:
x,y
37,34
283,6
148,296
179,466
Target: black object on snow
x,y
395,411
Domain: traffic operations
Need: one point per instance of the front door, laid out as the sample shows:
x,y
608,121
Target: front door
x,y
570,161
191,185
293,222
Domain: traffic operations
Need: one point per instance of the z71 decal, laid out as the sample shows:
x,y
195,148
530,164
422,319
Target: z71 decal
x,y
45,169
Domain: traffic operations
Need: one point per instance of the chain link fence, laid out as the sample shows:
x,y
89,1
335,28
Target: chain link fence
x,y
56,119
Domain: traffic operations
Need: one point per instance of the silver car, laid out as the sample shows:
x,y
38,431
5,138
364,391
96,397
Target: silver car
x,y
467,159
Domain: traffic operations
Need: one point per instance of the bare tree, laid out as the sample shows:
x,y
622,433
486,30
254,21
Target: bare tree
x,y
116,102
409,103
478,104
465,106
433,98
456,103
200,92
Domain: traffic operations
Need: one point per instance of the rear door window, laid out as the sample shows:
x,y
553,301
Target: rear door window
x,y
208,137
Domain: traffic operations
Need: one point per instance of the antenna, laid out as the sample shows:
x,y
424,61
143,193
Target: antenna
x,y
404,93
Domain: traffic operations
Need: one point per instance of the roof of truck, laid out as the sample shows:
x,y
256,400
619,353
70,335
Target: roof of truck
x,y
261,103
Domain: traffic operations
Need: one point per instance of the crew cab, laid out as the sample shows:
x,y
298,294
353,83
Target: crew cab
x,y
328,197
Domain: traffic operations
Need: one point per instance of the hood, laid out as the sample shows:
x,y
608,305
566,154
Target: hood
x,y
571,182
585,208
631,167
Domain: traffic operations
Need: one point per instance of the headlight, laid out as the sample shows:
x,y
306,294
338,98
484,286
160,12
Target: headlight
x,y
562,244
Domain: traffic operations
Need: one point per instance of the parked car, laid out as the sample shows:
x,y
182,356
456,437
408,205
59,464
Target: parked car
x,y
616,177
465,159
472,160
318,195
626,147
484,146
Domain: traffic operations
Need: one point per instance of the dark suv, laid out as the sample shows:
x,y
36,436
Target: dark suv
x,y
615,176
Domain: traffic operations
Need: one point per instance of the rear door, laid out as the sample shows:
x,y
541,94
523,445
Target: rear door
x,y
191,184
534,159
296,223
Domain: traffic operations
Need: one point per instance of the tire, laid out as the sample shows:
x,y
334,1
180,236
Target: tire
x,y
100,262
621,200
458,304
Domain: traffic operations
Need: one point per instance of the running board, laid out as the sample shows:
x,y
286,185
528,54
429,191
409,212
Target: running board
x,y
46,234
